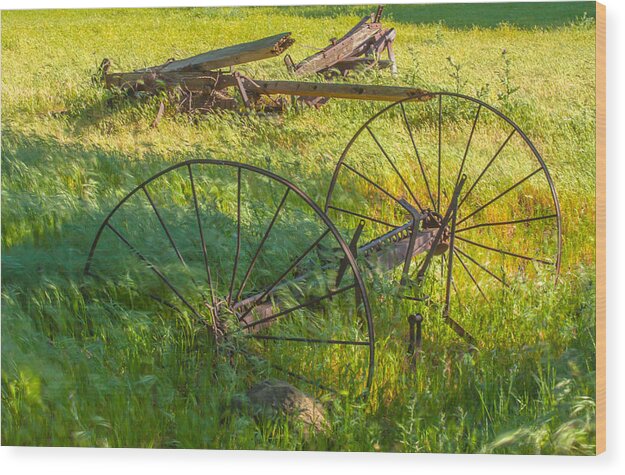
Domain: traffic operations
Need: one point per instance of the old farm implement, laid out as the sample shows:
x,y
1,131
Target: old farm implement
x,y
208,81
438,200
459,207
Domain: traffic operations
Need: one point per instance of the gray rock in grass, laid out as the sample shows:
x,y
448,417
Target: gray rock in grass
x,y
272,397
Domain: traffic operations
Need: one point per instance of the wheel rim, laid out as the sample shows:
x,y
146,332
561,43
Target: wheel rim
x,y
248,254
417,151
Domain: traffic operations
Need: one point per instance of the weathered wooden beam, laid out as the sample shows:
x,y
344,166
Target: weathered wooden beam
x,y
385,38
230,56
339,50
338,91
153,81
218,81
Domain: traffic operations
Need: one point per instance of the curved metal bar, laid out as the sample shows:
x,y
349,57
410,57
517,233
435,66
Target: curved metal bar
x,y
484,106
359,282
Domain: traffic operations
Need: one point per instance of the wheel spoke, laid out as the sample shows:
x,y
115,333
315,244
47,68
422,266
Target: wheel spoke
x,y
169,236
309,340
164,302
466,150
209,278
284,274
453,285
481,266
353,247
388,159
155,269
500,195
460,330
261,244
363,216
507,253
287,311
238,248
427,184
440,132
160,220
470,275
371,182
450,259
477,180
501,223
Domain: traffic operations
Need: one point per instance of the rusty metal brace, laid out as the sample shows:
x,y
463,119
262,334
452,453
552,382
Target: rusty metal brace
x,y
378,14
241,87
353,246
416,221
415,334
415,342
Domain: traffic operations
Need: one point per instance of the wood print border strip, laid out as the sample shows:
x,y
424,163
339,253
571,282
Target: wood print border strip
x,y
600,210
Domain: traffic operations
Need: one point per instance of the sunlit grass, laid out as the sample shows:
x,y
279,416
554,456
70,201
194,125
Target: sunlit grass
x,y
91,365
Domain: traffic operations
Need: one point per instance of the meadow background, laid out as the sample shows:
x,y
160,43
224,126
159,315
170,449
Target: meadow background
x,y
72,374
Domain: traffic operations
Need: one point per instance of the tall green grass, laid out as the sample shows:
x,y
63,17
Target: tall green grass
x,y
115,370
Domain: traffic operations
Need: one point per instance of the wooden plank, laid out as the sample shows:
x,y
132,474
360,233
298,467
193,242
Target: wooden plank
x,y
152,81
386,38
334,53
215,80
337,91
600,241
231,55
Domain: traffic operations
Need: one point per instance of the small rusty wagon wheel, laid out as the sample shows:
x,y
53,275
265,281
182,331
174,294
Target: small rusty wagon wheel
x,y
458,187
250,256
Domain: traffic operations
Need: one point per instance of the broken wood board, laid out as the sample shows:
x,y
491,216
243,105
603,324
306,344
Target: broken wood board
x,y
346,47
230,56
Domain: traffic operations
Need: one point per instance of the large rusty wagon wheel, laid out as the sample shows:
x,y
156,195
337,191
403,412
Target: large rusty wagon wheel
x,y
250,256
454,164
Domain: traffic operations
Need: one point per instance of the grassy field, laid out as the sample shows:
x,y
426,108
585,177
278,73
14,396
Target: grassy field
x,y
76,374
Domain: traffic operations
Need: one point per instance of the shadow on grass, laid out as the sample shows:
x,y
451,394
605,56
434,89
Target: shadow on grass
x,y
528,386
48,185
